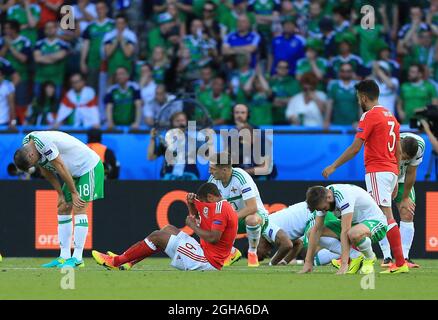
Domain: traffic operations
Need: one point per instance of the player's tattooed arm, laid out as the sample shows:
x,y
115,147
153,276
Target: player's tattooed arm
x,y
345,242
314,236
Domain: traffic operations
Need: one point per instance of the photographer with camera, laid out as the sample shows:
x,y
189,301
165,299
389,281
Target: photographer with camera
x,y
432,138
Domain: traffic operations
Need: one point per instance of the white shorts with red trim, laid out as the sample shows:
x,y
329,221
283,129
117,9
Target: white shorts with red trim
x,y
380,186
186,253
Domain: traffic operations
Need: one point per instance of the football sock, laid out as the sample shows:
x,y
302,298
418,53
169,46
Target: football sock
x,y
65,231
136,253
81,230
324,256
393,235
365,246
386,249
253,234
233,250
407,231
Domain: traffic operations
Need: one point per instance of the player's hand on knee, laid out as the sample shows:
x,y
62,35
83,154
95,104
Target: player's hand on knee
x,y
407,204
77,201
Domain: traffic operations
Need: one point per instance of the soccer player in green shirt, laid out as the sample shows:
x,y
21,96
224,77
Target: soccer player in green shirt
x,y
415,94
123,101
120,47
50,57
217,102
283,87
27,14
91,59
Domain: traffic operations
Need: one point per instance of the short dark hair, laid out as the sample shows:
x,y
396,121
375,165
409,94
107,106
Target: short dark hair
x,y
314,196
121,16
368,88
419,66
94,135
206,189
222,159
21,160
409,146
13,24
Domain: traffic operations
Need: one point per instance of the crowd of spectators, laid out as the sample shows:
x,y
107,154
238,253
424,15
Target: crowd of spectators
x,y
290,62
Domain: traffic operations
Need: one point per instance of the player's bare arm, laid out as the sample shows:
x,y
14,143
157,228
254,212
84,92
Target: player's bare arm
x,y
190,204
348,154
53,180
314,236
345,242
406,203
65,175
285,246
250,208
211,236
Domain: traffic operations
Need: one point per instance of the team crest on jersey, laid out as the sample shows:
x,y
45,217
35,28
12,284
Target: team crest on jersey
x,y
205,211
233,190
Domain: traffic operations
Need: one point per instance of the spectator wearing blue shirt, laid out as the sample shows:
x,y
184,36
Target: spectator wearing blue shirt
x,y
242,41
289,47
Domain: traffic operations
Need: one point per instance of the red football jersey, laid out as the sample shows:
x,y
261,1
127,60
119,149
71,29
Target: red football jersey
x,y
222,217
380,131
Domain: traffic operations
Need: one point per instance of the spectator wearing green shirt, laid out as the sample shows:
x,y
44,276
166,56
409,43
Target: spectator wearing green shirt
x,y
259,95
120,47
217,102
283,87
123,102
17,50
229,23
315,16
342,107
27,14
93,35
415,94
50,57
421,52
312,62
160,65
240,76
159,36
205,80
346,55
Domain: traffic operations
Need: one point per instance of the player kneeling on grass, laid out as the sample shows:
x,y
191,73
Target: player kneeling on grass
x,y
83,174
362,223
212,218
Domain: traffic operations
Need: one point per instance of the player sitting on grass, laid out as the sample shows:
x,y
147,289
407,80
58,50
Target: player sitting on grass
x,y
296,221
83,174
412,154
212,218
362,223
238,188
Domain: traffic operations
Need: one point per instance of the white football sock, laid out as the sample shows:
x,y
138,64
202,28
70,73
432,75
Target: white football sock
x,y
366,248
407,232
81,230
65,230
386,248
324,256
334,245
253,233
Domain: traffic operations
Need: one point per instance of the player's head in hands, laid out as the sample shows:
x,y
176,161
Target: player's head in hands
x,y
367,92
208,192
320,198
26,157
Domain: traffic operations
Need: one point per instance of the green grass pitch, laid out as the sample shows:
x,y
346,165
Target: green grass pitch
x,y
22,278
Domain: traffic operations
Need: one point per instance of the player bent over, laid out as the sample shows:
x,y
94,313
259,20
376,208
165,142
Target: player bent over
x,y
362,223
238,188
83,174
412,147
212,218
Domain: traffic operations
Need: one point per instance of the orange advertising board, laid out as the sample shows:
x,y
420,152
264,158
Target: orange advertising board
x,y
432,221
46,221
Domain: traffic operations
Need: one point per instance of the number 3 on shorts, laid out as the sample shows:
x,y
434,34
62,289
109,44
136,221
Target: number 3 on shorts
x,y
391,134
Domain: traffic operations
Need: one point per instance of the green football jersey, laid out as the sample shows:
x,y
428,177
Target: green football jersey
x,y
22,45
54,71
415,96
285,87
261,109
123,101
345,107
118,59
264,8
303,65
367,40
18,13
95,32
218,107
